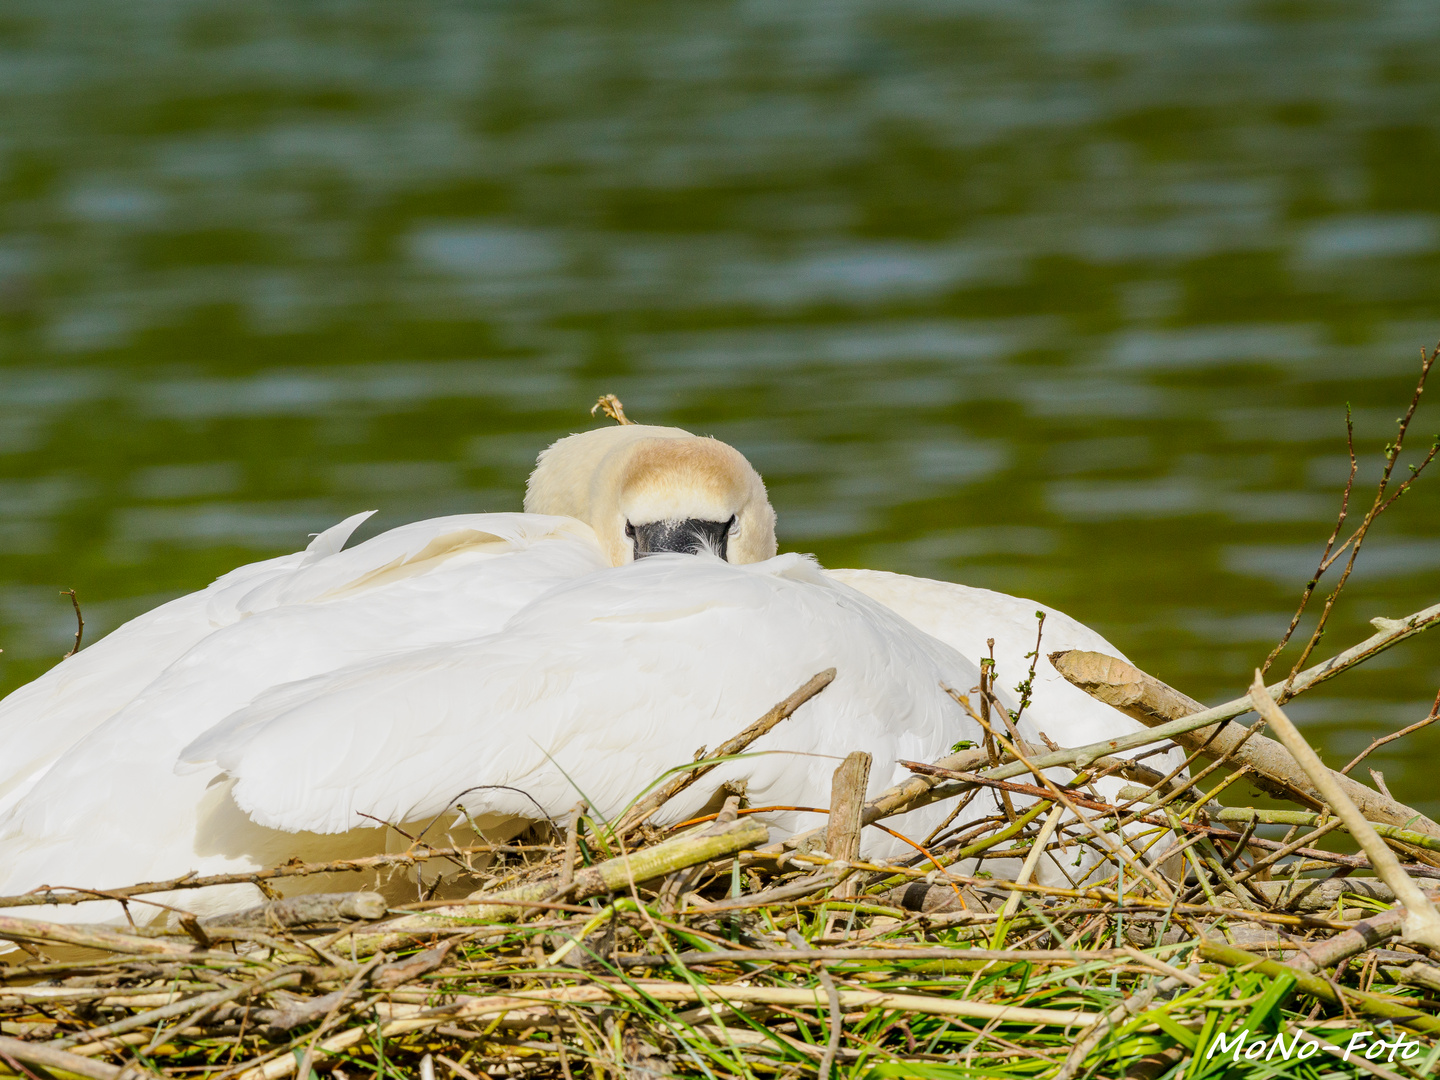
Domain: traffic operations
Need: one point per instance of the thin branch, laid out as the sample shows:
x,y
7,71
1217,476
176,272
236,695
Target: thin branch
x,y
79,622
643,808
1027,688
1434,715
1329,544
1377,507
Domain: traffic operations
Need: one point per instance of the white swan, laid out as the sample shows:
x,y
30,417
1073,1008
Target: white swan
x,y
529,650
566,482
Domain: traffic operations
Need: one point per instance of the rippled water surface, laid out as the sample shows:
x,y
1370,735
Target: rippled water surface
x,y
1064,299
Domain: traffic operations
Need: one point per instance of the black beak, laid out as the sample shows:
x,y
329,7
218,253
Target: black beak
x,y
689,537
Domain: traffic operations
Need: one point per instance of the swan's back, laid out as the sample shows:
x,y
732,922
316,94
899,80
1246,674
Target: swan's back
x,y
596,690
88,786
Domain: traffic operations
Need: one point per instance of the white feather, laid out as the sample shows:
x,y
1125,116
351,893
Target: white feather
x,y
94,799
595,690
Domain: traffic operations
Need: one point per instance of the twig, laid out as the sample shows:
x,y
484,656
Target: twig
x,y
1434,715
50,1058
1329,544
1027,686
637,814
65,894
832,1047
1363,935
329,1018
859,955
288,977
1280,851
613,875
12,929
79,622
1356,538
1027,871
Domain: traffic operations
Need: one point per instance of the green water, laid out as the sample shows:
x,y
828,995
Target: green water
x,y
1064,299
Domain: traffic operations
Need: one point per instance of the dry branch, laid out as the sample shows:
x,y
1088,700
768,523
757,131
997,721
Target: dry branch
x,y
414,856
847,806
1145,698
86,937
637,814
1307,894
303,910
689,849
49,1058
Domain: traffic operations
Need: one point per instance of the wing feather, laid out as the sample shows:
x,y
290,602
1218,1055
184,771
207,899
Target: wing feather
x,y
597,689
103,729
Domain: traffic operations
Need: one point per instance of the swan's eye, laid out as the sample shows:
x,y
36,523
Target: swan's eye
x,y
630,530
734,524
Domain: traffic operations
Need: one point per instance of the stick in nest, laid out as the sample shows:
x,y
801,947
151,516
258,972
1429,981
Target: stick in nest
x,y
637,814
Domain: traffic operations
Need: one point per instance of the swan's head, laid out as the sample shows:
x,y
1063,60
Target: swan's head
x,y
648,489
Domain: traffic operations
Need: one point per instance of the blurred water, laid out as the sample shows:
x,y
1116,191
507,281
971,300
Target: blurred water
x,y
1062,299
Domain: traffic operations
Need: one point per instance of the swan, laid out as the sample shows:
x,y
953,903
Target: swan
x,y
977,623
635,611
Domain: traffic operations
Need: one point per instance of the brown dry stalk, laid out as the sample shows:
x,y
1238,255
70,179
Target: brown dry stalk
x,y
610,405
638,813
1145,698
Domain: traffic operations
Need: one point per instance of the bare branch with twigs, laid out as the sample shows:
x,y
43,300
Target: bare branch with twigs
x,y
1384,499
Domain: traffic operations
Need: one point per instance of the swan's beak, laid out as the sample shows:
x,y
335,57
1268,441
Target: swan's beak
x,y
689,537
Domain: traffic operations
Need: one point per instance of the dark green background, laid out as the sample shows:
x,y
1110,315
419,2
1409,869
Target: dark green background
x,y
1062,298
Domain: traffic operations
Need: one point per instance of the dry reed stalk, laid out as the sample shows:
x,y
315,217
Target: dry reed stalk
x,y
783,710
1147,699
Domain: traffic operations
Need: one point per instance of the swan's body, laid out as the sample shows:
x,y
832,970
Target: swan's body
x,y
596,687
640,665
260,718
283,619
